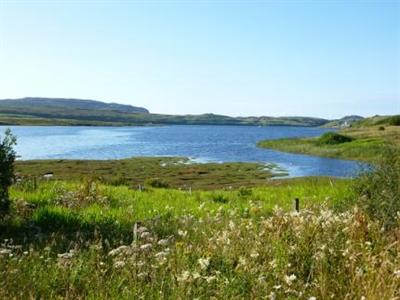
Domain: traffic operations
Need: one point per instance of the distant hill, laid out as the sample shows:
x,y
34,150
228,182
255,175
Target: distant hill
x,y
69,104
49,111
393,120
343,122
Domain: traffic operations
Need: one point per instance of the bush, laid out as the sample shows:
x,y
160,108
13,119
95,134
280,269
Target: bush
x,y
157,183
378,190
245,192
7,158
219,198
381,128
394,120
333,138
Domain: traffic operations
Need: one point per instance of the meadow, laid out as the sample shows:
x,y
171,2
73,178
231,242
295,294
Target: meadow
x,y
172,172
84,239
367,143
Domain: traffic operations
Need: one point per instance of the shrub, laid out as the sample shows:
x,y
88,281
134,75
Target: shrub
x,y
378,190
245,192
381,128
394,120
333,138
219,198
7,158
157,183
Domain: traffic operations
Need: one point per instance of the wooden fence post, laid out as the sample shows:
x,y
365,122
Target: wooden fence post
x,y
296,204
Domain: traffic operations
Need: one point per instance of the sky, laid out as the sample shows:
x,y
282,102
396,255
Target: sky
x,y
276,58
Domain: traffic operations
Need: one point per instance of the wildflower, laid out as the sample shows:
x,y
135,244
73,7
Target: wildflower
x,y
119,264
5,251
289,279
272,296
204,263
145,235
146,247
118,250
184,276
277,287
254,255
210,278
231,225
161,254
142,229
182,233
66,255
397,273
273,264
163,242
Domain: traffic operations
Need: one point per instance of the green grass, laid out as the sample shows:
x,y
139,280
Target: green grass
x,y
171,171
367,144
73,240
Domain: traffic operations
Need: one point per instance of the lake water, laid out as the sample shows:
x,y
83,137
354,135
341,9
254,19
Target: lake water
x,y
200,143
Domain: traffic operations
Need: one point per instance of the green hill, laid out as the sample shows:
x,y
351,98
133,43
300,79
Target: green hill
x,y
49,111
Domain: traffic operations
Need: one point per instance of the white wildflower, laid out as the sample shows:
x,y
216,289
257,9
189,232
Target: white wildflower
x,y
5,251
254,254
182,233
210,278
196,275
163,242
145,235
204,263
119,264
146,247
117,251
184,276
289,279
142,229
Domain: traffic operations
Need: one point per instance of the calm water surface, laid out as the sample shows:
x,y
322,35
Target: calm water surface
x,y
200,143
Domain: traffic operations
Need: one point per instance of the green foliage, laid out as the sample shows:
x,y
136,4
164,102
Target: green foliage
x,y
156,183
7,158
219,198
394,120
367,143
245,192
378,189
379,120
333,138
170,244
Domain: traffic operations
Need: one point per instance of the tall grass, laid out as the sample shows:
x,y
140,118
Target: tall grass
x,y
378,189
171,244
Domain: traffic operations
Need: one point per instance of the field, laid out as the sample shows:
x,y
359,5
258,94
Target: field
x,y
368,144
172,172
74,240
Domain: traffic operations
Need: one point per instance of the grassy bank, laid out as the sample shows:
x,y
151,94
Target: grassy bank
x,y
367,144
89,240
154,171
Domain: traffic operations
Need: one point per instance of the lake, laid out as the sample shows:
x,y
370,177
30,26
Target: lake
x,y
200,143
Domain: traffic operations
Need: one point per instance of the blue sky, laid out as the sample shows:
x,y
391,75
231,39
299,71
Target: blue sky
x,y
314,58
